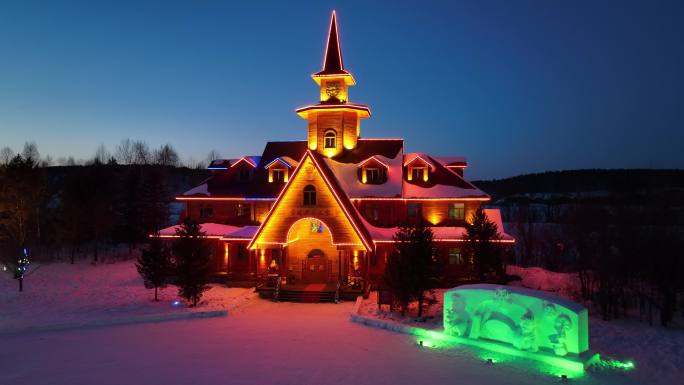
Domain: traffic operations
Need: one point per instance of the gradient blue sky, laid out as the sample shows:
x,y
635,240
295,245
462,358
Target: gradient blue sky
x,y
515,86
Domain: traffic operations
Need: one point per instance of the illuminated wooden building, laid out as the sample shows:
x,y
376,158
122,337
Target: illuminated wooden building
x,y
324,210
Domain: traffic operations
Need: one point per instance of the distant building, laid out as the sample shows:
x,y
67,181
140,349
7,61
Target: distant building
x,y
324,210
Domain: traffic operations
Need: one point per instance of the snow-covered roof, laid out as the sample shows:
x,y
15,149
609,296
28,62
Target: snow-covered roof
x,y
411,190
202,189
246,232
347,176
439,232
211,229
451,161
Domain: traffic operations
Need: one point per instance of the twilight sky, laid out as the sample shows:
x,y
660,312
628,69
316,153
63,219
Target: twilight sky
x,y
515,86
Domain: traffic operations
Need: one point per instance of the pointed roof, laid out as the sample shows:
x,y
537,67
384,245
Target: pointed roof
x,y
333,64
340,197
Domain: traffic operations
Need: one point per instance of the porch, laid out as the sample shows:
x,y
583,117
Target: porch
x,y
308,292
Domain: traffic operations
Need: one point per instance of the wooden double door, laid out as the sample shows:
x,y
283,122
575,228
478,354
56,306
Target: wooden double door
x,y
316,268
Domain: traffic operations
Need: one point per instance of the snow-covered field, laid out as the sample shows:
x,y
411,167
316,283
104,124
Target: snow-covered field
x,y
259,342
62,294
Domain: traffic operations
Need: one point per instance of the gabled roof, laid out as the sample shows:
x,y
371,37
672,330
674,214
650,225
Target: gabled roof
x,y
340,197
412,158
284,160
251,160
442,183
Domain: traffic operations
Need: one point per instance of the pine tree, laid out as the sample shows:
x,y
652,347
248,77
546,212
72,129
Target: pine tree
x,y
193,261
412,269
154,266
480,244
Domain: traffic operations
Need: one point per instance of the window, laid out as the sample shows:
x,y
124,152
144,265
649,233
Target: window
x,y
330,139
455,256
456,211
278,174
372,212
244,210
419,173
206,212
413,210
373,175
309,195
244,175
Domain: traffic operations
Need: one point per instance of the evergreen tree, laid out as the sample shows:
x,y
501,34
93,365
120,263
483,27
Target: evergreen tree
x,y
481,247
412,269
193,261
154,266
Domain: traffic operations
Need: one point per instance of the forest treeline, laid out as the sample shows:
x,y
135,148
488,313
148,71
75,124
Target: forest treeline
x,y
79,210
622,231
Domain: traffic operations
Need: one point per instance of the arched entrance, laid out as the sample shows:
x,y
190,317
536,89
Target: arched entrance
x,y
313,256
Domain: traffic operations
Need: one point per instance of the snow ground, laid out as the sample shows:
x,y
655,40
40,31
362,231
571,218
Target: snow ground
x,y
62,294
260,342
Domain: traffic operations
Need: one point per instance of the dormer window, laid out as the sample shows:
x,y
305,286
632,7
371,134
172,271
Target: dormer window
x,y
373,171
418,167
279,169
330,139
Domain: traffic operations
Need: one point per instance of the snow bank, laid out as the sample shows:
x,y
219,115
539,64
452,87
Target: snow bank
x,y
564,284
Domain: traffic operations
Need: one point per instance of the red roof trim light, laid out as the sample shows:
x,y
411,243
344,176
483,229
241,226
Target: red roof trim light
x,y
249,161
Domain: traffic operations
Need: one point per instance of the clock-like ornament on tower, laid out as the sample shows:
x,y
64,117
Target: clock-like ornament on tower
x,y
332,89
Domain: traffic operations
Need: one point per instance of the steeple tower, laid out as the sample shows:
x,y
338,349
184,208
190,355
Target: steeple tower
x,y
334,123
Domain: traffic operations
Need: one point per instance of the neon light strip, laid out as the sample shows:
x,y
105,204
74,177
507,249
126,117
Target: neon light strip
x,y
483,199
310,219
339,201
217,168
379,139
456,166
246,160
235,239
184,198
278,160
177,236
333,106
432,166
373,158
453,240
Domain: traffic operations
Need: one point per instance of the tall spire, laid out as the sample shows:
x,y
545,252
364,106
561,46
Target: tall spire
x,y
332,62
333,65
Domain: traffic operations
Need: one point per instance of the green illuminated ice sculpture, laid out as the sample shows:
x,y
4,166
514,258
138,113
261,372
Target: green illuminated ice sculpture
x,y
525,322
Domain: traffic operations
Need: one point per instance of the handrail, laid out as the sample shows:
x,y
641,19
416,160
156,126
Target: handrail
x,y
276,292
337,291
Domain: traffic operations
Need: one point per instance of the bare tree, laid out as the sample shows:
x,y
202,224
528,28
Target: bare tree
x,y
166,155
47,161
102,155
30,152
213,155
141,152
6,155
124,152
